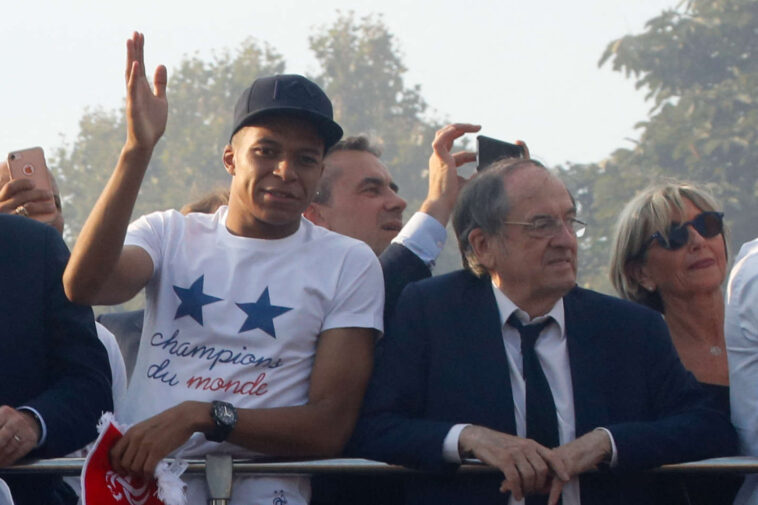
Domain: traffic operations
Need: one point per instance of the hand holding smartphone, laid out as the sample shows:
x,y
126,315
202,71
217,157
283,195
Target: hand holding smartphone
x,y
490,150
29,164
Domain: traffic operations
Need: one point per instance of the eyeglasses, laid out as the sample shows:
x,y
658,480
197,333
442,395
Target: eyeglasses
x,y
544,227
707,224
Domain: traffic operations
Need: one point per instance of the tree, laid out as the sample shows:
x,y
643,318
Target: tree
x,y
698,65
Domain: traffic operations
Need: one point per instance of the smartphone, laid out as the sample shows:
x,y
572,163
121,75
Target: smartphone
x,y
30,164
490,150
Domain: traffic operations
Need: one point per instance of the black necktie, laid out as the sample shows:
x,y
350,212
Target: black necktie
x,y
541,418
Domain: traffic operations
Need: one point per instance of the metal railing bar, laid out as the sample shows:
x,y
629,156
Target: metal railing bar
x,y
73,466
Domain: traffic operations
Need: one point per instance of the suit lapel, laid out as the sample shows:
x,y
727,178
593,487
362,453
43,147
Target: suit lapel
x,y
585,358
490,370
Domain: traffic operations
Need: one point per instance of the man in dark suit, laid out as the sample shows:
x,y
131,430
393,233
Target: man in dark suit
x,y
358,198
54,372
459,368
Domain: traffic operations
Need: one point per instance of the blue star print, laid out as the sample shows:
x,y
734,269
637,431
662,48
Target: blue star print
x,y
192,301
261,314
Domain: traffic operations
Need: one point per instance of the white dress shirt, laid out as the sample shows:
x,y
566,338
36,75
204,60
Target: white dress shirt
x,y
424,236
552,351
741,332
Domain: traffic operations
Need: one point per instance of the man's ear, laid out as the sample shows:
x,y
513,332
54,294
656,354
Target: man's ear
x,y
228,158
638,271
314,215
482,245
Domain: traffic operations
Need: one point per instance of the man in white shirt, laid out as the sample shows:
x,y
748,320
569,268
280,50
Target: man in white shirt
x,y
259,326
741,333
510,363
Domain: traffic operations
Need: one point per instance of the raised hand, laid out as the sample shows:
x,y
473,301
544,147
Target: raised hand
x,y
146,109
444,181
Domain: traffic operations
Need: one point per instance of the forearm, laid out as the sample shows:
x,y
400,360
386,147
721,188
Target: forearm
x,y
101,240
305,430
302,431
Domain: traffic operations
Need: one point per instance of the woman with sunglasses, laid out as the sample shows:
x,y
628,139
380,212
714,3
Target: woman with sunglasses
x,y
670,254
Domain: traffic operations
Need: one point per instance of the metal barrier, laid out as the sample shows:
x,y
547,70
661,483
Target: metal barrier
x,y
73,467
220,468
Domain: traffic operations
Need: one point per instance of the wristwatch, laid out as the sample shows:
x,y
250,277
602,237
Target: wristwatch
x,y
224,416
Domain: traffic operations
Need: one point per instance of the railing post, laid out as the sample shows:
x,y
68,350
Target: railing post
x,y
218,475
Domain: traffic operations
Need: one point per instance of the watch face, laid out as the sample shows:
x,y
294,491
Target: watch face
x,y
225,414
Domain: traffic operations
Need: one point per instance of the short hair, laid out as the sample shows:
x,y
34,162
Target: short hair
x,y
209,203
650,211
357,143
483,203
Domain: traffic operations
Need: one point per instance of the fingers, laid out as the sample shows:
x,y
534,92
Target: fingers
x,y
555,462
463,157
526,149
556,487
531,475
139,49
541,472
130,455
117,455
20,192
512,480
135,53
17,437
159,81
444,138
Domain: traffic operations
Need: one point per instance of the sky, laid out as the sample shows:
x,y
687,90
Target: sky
x,y
522,69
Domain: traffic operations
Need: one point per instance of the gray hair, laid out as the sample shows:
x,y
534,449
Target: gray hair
x,y
483,203
648,212
357,143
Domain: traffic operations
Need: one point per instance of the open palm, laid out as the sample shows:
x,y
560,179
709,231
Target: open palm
x,y
146,109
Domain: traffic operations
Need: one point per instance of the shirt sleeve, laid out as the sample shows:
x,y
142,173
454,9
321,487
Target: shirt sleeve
x,y
450,451
359,298
42,424
614,454
148,232
424,236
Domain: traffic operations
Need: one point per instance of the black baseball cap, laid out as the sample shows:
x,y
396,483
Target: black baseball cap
x,y
288,94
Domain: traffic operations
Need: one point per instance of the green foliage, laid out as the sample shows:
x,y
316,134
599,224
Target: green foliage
x,y
698,64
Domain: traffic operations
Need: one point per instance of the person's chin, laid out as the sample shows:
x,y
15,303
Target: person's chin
x,y
565,281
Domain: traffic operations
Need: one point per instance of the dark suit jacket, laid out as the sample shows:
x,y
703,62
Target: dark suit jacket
x,y
400,267
50,356
443,362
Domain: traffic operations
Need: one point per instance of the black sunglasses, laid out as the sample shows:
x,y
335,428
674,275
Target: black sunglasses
x,y
707,224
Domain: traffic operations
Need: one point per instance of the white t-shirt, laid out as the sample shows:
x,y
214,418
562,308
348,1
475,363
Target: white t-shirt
x,y
118,368
237,319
